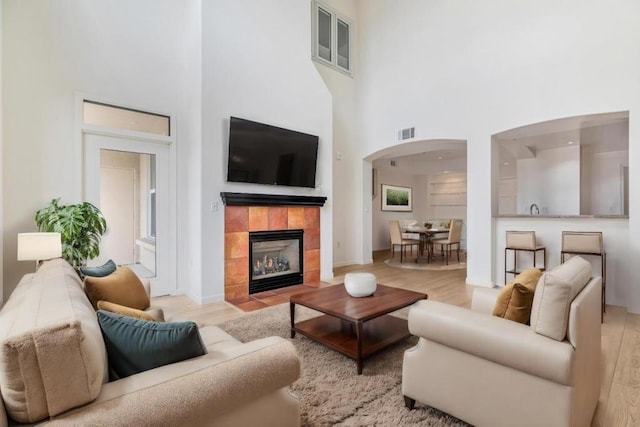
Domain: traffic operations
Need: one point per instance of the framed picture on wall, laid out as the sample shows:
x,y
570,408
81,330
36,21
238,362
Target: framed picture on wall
x,y
396,199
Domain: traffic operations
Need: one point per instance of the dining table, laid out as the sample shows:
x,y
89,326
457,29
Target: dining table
x,y
426,238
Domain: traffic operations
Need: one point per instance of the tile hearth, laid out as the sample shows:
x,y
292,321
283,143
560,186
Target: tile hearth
x,y
268,298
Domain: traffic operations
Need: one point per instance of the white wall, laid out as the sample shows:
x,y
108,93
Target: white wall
x,y
468,70
346,187
256,64
421,197
2,177
604,181
381,238
132,53
190,158
557,169
168,56
508,196
514,64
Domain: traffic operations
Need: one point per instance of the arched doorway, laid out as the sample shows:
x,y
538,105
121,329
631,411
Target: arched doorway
x,y
435,170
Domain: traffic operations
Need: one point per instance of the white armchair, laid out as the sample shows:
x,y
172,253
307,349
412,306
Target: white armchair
x,y
491,371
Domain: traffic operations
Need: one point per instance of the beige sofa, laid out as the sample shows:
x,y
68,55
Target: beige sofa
x,y
494,372
53,369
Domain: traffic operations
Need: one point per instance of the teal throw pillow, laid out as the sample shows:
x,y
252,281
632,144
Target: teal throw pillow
x,y
104,270
136,345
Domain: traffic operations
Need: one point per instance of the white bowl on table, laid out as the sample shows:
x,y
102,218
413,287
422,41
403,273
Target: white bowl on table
x,y
360,284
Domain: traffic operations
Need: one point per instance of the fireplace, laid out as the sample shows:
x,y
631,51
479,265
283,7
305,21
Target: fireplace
x,y
245,213
275,259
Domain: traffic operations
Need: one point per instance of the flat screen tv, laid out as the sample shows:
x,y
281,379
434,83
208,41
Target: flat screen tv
x,y
265,154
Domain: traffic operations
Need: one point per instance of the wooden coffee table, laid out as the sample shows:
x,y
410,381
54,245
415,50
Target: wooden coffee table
x,y
356,327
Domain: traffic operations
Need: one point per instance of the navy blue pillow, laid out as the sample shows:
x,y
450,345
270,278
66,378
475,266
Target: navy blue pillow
x,y
104,270
136,345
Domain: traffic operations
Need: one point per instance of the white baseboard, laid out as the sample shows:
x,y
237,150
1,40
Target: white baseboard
x,y
205,300
478,282
212,298
343,263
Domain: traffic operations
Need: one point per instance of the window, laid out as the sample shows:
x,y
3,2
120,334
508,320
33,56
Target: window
x,y
152,197
96,113
331,39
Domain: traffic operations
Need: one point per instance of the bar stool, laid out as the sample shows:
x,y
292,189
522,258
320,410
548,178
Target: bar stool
x,y
522,241
587,243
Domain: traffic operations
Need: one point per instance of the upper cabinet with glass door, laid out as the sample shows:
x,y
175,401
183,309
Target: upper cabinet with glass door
x,y
331,38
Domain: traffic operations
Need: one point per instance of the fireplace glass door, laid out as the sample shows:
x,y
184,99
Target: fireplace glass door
x,y
275,259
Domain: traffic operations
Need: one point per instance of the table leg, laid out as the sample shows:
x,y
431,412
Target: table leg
x,y
292,310
359,346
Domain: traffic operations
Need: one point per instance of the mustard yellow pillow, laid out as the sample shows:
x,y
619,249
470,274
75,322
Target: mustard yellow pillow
x,y
125,311
121,287
529,277
516,298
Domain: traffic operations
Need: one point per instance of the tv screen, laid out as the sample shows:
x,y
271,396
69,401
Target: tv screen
x,y
265,154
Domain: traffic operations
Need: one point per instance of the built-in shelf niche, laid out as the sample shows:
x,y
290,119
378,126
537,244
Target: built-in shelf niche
x,y
448,195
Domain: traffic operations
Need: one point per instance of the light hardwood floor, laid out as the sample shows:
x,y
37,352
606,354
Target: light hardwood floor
x,y
619,403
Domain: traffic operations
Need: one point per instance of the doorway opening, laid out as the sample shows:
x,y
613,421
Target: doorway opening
x,y
128,162
434,174
127,200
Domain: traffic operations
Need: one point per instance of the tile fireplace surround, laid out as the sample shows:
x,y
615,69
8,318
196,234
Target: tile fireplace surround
x,y
260,212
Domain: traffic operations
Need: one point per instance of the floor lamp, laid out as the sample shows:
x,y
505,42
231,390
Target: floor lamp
x,y
39,247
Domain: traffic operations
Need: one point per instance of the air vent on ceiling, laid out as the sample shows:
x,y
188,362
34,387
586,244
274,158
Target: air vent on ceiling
x,y
407,133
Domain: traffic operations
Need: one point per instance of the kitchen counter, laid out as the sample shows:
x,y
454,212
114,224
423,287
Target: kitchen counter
x,y
564,216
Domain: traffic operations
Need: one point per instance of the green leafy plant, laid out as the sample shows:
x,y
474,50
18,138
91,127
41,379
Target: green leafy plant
x,y
81,227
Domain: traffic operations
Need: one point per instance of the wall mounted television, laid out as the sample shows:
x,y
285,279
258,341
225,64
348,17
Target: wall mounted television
x,y
265,154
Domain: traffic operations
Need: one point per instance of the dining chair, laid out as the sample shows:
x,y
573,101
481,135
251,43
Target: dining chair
x,y
587,243
397,240
455,231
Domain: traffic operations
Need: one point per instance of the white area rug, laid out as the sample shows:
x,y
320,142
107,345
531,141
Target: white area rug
x,y
410,264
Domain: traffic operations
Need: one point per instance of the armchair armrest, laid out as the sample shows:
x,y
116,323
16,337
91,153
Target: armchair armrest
x,y
193,391
493,338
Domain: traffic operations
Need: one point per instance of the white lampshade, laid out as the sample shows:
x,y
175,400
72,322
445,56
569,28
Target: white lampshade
x,y
39,246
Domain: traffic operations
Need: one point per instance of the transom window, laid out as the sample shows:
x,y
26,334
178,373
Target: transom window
x,y
97,113
331,38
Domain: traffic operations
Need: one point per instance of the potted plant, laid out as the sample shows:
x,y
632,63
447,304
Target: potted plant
x,y
81,227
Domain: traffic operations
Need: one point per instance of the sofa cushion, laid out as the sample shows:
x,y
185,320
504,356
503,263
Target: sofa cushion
x,y
103,270
515,299
554,293
122,287
125,311
136,345
52,356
